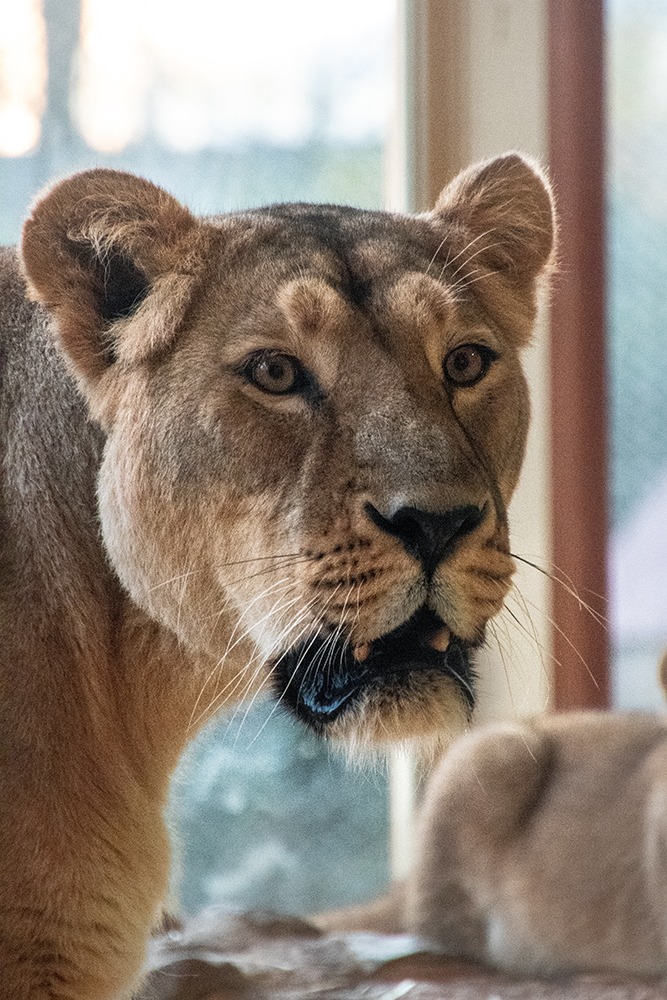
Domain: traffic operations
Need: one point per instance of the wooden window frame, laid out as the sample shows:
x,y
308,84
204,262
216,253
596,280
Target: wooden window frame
x,y
578,348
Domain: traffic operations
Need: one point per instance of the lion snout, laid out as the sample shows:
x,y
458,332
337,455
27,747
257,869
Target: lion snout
x,y
428,535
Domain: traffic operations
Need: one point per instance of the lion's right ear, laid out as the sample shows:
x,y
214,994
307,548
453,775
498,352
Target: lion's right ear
x,y
115,260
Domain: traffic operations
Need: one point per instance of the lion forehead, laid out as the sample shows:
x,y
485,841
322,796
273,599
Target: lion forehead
x,y
314,280
349,248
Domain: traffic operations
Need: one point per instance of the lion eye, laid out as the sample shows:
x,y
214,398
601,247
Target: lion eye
x,y
467,364
275,373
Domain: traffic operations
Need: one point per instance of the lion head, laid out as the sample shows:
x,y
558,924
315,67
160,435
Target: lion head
x,y
315,418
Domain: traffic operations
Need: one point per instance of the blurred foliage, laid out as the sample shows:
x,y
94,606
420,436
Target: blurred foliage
x,y
267,815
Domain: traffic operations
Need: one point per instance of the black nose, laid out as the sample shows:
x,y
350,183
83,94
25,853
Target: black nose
x,y
427,535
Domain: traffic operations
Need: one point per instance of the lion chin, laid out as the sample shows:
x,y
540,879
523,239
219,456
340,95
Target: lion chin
x,y
409,686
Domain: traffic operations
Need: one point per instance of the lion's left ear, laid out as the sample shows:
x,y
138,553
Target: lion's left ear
x,y
505,209
499,224
114,259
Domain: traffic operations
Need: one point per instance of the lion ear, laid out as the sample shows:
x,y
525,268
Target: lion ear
x,y
504,209
114,259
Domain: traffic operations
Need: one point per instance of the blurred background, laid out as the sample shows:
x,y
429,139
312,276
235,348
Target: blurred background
x,y
374,103
226,104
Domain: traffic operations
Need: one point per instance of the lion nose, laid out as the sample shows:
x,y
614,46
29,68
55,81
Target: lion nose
x,y
425,534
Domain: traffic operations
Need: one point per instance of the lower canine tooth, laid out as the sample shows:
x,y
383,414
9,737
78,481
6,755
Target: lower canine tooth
x,y
361,652
440,640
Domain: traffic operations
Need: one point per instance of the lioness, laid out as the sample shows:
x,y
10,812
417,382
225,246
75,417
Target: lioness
x,y
272,449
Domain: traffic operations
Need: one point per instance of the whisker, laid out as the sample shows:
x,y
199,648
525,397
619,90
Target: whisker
x,y
448,263
278,701
569,588
173,579
487,246
264,658
432,260
302,655
181,598
467,280
253,559
462,681
532,633
231,644
271,569
339,628
526,631
574,649
277,607
238,562
506,672
322,652
250,703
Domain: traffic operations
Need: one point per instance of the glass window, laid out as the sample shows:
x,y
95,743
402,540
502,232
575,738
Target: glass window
x,y
637,279
230,106
226,105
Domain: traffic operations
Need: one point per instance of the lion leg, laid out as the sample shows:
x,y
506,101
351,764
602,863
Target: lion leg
x,y
79,894
479,796
476,801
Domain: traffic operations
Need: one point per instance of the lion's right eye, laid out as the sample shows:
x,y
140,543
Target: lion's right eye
x,y
276,373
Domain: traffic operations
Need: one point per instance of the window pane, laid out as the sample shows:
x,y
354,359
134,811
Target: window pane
x,y
268,816
637,220
235,105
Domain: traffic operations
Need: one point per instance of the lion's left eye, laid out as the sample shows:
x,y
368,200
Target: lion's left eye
x,y
467,364
278,374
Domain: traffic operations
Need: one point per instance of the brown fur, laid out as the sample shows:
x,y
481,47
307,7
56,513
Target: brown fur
x,y
170,529
541,849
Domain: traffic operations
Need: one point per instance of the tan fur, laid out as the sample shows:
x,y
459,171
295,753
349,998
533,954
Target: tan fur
x,y
170,529
541,848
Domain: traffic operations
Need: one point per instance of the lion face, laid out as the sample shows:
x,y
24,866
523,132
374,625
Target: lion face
x,y
315,419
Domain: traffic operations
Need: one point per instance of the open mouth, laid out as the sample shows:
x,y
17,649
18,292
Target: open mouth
x,y
322,678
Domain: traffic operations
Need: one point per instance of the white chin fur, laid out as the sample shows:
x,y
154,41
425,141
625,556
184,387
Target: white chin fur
x,y
424,720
